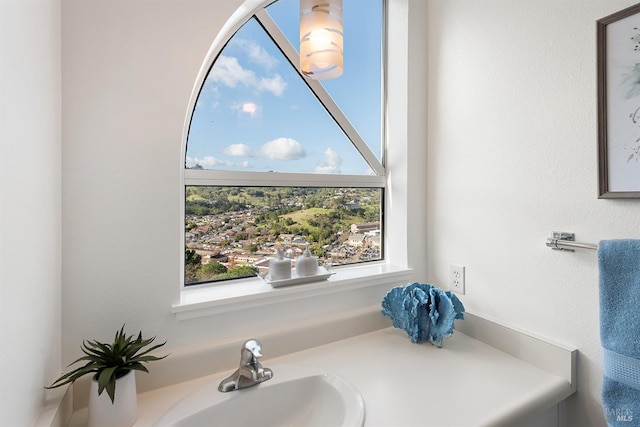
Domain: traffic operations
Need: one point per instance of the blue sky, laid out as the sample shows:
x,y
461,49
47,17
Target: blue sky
x,y
254,112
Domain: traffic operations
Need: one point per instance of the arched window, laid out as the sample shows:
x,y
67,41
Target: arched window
x,y
274,159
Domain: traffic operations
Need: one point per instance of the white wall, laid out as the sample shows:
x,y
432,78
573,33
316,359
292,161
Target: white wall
x,y
128,72
513,157
30,205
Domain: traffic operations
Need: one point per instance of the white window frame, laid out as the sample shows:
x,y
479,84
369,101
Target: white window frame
x,y
217,298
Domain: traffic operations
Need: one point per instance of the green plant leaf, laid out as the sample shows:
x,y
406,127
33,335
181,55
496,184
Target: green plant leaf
x,y
72,376
155,347
107,380
139,367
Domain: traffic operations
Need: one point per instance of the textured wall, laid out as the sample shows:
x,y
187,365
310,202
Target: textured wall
x,y
512,157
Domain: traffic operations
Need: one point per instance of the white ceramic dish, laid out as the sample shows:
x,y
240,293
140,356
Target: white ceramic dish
x,y
323,274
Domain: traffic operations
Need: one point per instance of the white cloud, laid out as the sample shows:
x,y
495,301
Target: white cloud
x,y
283,149
250,107
256,53
276,85
229,72
209,161
238,150
331,163
247,110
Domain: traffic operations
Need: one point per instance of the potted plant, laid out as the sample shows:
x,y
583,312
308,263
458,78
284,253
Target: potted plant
x,y
111,365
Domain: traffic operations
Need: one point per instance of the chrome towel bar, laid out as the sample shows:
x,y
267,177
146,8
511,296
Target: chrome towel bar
x,y
563,241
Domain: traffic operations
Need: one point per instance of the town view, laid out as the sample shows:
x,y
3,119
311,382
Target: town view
x,y
232,232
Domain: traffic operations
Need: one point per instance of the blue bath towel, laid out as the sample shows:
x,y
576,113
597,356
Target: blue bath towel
x,y
619,263
425,312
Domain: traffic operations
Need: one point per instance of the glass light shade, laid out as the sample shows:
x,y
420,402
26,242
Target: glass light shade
x,y
321,38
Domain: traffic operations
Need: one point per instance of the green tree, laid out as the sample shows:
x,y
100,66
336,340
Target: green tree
x,y
214,268
317,250
242,271
191,265
191,257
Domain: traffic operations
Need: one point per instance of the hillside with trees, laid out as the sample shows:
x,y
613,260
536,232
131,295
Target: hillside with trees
x,y
229,231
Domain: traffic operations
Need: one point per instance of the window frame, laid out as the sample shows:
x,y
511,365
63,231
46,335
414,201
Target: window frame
x,y
255,9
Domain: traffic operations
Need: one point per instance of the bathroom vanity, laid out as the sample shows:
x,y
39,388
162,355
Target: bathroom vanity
x,y
512,380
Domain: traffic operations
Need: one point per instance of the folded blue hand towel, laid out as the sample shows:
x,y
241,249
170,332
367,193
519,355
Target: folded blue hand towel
x,y
619,264
425,312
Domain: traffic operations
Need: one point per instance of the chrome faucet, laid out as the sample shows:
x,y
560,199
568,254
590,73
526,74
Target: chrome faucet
x,y
250,371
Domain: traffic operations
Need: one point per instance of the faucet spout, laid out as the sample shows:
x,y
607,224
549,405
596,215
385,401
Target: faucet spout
x,y
250,372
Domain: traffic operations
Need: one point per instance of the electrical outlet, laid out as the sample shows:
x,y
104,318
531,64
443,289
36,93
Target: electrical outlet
x,y
456,278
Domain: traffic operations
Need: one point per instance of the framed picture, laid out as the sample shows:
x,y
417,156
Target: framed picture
x,y
619,104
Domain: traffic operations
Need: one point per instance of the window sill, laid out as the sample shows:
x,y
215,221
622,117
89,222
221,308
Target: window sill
x,y
250,293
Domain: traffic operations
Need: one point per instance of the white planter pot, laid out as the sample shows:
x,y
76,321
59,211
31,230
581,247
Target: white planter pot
x,y
122,412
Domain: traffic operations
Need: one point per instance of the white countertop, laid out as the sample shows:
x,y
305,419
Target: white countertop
x,y
465,383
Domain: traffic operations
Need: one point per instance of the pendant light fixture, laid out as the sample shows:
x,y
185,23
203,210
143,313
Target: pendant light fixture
x,y
321,41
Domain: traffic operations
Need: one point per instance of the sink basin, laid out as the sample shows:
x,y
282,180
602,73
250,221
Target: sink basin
x,y
295,396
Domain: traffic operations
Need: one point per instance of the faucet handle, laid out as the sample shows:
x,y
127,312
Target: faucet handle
x,y
250,352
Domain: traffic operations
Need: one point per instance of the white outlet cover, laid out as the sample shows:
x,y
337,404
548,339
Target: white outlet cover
x,y
456,278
